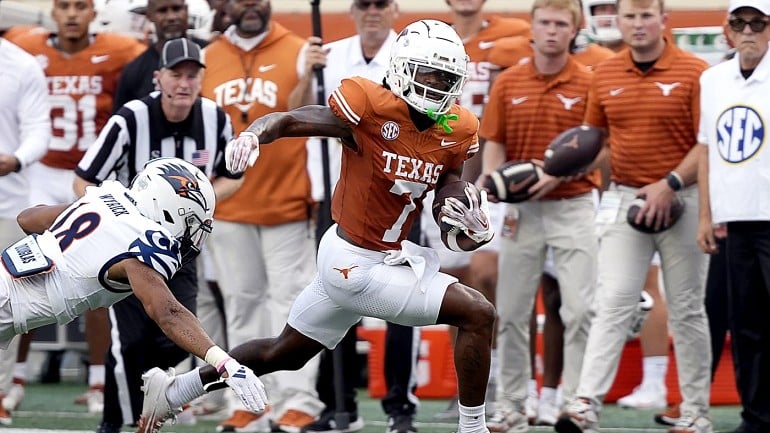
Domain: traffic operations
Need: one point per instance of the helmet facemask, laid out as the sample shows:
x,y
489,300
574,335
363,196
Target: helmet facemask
x,y
423,48
179,197
195,234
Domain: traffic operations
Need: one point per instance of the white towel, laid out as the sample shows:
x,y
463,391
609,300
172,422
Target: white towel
x,y
424,262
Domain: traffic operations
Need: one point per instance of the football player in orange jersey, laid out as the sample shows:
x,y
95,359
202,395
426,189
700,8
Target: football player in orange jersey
x,y
82,70
401,140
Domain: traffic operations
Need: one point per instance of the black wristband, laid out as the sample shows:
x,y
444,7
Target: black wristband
x,y
18,166
674,181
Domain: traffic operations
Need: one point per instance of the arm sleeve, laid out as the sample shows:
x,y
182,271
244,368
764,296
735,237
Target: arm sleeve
x,y
34,113
702,134
103,156
594,112
493,122
349,102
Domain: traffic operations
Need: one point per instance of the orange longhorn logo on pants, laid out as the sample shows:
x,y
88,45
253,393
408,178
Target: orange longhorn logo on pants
x,y
345,271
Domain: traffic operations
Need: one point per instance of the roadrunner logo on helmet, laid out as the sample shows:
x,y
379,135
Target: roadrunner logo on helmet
x,y
424,47
179,197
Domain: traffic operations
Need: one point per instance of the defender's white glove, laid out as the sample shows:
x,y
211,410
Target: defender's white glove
x,y
245,384
473,220
242,152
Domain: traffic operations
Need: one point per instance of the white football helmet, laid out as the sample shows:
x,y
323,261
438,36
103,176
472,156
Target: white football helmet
x,y
125,17
601,28
200,16
424,46
179,197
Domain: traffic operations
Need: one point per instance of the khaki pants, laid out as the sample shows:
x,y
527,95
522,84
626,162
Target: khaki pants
x,y
567,226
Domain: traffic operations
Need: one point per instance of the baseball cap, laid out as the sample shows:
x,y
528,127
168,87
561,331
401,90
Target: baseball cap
x,y
180,50
760,5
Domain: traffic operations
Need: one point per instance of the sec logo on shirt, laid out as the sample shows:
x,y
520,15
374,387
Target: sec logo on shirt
x,y
740,133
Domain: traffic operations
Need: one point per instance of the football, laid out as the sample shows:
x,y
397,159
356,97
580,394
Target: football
x,y
510,182
452,189
677,209
573,150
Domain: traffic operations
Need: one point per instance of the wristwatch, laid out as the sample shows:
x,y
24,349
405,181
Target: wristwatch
x,y
674,181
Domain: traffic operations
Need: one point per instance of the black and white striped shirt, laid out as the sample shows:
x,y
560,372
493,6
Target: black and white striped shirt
x,y
139,132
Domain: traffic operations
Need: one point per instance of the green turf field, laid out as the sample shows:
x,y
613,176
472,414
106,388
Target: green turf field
x,y
49,408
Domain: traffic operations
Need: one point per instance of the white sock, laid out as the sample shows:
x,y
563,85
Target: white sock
x,y
186,388
20,371
548,394
472,419
532,387
95,375
654,370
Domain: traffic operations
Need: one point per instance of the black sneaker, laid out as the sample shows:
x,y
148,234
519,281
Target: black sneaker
x,y
106,427
325,423
401,424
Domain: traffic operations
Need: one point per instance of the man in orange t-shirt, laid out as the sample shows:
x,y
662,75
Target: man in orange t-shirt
x,y
253,69
647,97
549,94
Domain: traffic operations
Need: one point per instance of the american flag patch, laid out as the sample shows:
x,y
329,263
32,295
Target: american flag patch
x,y
200,157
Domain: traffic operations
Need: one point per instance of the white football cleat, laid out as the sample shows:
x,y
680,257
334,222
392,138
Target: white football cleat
x,y
644,397
156,409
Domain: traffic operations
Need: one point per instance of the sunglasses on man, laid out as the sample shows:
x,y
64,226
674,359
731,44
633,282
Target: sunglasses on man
x,y
379,4
756,25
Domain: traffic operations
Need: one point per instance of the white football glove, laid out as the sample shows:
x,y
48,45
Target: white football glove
x,y
473,220
242,152
245,384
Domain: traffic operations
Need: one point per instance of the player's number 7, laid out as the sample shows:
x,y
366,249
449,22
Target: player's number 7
x,y
401,187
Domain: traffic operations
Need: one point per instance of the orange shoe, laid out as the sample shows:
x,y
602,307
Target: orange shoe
x,y
670,416
294,420
83,398
244,421
5,417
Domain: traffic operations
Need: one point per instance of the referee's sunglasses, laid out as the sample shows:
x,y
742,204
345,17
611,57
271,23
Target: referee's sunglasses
x,y
756,25
379,4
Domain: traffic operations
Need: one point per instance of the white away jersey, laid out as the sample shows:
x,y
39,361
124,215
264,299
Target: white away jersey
x,y
56,276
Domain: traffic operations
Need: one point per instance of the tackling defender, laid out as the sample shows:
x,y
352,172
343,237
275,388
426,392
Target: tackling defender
x,y
111,243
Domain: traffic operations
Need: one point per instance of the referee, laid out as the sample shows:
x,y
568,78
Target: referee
x,y
172,121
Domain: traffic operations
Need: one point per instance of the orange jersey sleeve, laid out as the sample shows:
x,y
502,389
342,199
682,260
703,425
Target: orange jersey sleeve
x,y
510,51
81,88
592,55
383,181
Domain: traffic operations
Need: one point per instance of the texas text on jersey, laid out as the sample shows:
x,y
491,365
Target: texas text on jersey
x,y
376,202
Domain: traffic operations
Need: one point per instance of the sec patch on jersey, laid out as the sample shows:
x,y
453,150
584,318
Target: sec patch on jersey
x,y
677,209
452,189
511,181
573,150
